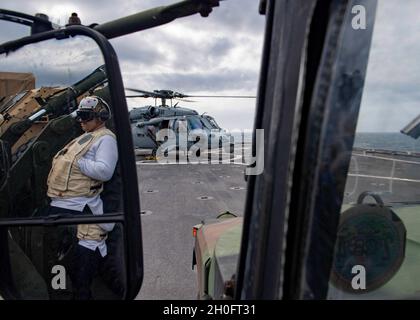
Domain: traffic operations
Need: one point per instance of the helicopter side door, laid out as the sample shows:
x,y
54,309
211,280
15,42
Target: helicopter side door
x,y
180,127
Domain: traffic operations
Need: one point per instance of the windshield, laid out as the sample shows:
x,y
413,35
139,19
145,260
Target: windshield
x,y
378,234
213,122
195,123
207,123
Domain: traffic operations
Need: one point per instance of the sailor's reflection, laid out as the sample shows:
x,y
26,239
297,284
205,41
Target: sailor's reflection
x,y
75,183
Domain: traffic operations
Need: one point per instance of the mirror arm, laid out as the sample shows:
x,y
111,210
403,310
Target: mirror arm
x,y
63,219
19,43
140,21
155,17
37,24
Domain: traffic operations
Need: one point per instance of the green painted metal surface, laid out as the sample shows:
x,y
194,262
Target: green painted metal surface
x,y
221,244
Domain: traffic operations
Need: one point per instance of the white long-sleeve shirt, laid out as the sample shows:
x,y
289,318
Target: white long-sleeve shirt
x,y
98,163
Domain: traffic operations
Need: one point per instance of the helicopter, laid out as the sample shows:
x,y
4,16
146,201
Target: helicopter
x,y
147,121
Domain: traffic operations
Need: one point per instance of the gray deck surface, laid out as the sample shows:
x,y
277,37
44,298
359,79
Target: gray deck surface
x,y
175,208
172,208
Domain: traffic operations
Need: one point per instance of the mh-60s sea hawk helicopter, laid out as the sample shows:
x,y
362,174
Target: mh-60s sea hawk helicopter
x,y
186,125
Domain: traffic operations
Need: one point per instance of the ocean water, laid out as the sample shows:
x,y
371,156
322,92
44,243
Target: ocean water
x,y
392,141
246,136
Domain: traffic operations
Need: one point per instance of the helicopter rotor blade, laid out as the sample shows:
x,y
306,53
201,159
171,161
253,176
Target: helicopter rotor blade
x,y
137,96
185,100
147,94
169,94
220,96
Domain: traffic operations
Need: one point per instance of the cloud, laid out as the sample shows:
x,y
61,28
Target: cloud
x,y
216,54
137,52
225,81
221,54
53,62
391,95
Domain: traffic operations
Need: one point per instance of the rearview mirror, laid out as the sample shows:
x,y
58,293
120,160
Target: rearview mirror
x,y
48,263
41,85
51,185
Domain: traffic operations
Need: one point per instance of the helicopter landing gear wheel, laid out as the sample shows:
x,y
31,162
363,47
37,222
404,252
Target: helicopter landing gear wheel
x,y
231,148
154,152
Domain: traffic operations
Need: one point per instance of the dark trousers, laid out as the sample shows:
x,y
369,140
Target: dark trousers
x,y
67,234
84,263
85,266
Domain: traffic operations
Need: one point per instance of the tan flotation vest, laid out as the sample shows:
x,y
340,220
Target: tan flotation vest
x,y
91,232
65,179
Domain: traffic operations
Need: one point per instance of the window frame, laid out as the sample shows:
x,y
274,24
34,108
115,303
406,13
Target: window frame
x,y
281,203
260,268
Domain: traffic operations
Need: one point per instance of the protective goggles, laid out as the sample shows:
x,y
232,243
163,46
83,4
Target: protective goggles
x,y
85,115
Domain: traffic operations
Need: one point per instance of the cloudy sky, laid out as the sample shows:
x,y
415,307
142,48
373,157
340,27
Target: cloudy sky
x,y
391,96
221,55
218,55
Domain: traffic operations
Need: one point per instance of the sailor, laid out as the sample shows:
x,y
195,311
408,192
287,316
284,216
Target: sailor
x,y
75,182
74,19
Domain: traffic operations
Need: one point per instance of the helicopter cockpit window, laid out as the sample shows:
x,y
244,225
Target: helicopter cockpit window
x,y
206,123
213,122
194,123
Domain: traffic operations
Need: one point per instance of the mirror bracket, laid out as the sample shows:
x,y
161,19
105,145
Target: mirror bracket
x,y
38,23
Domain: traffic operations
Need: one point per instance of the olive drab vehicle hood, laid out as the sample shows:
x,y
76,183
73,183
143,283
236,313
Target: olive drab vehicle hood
x,y
217,244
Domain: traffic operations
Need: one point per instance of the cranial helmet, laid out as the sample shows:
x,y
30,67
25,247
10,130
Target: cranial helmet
x,y
93,107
